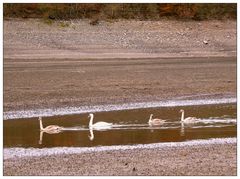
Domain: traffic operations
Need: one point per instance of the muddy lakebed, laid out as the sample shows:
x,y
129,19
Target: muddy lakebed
x,y
130,127
66,80
122,92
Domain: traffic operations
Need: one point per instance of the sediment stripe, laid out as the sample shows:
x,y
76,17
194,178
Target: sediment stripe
x,y
15,153
112,107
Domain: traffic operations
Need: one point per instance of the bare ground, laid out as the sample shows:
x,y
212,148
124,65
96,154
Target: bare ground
x,y
48,66
207,160
33,39
127,61
35,84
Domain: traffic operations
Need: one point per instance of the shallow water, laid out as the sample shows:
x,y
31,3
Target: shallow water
x,y
130,127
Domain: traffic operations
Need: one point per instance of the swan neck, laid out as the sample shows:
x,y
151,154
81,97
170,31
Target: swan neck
x,y
182,117
150,119
91,121
41,125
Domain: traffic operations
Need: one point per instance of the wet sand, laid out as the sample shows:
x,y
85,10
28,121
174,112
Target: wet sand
x,y
204,160
38,84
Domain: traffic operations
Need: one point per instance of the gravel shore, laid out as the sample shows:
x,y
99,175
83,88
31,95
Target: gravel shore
x,y
204,160
34,39
72,64
45,66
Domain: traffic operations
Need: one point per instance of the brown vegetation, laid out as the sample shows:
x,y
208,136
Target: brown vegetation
x,y
120,11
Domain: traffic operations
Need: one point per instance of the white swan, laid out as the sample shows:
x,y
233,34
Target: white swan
x,y
155,122
188,119
98,125
52,129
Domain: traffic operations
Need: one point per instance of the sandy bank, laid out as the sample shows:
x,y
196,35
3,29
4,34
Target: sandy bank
x,y
33,39
49,66
208,159
51,84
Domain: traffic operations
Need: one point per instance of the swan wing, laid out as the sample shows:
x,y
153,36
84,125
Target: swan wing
x,y
99,124
157,122
191,119
102,125
53,131
53,127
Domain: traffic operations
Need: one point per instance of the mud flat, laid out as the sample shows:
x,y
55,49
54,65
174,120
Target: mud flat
x,y
206,157
48,67
52,84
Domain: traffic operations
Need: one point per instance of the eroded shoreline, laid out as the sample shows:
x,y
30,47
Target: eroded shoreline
x,y
16,153
217,157
101,108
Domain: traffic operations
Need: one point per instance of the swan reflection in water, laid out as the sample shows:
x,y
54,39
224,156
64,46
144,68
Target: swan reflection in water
x,y
187,125
91,136
182,130
52,129
41,135
100,126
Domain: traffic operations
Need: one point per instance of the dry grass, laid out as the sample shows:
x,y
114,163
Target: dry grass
x,y
120,11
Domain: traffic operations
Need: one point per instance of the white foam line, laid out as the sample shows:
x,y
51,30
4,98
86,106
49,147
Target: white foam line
x,y
117,107
210,126
15,153
142,127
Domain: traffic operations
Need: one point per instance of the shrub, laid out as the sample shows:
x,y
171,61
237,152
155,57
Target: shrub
x,y
145,11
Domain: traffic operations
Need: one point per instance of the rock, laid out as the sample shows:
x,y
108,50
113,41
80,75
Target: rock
x,y
51,17
94,22
205,42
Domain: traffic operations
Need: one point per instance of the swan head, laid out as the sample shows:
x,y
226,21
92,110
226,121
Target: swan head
x,y
90,115
151,115
40,118
181,111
